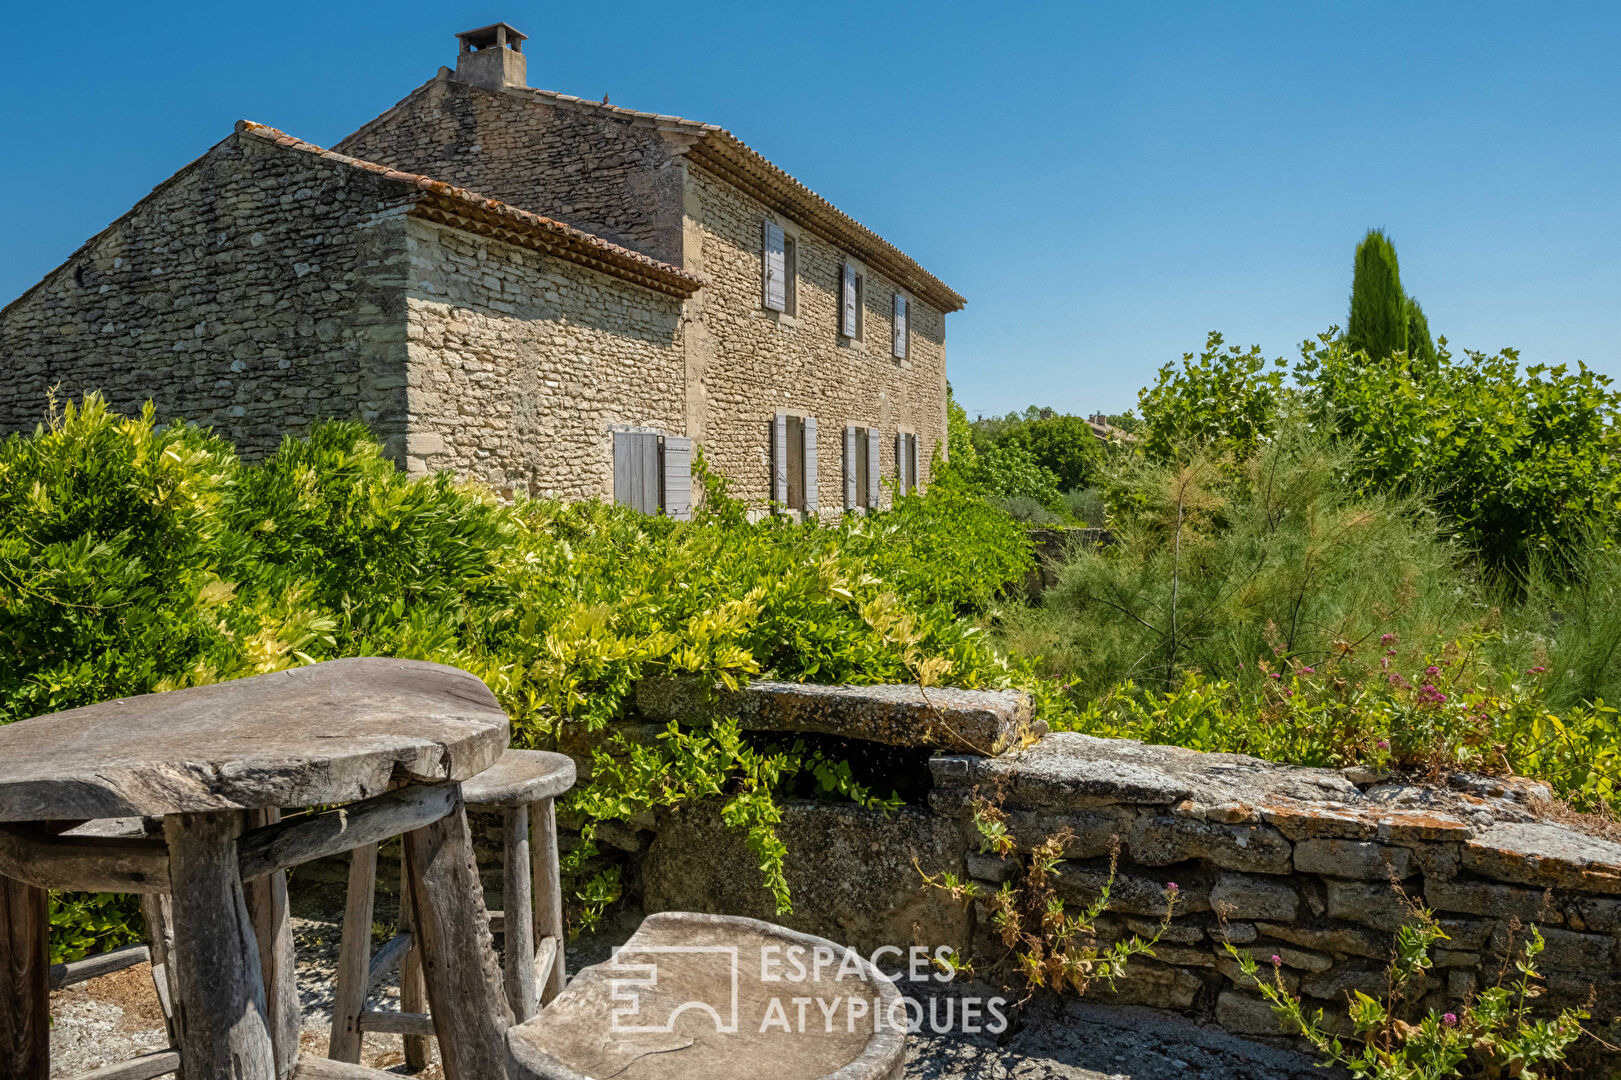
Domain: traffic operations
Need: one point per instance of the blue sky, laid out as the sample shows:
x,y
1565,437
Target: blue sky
x,y
1105,182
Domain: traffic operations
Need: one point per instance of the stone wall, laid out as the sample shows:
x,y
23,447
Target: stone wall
x,y
604,172
747,362
520,365
1302,864
255,291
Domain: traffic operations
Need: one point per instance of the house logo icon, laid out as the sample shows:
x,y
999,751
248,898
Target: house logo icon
x,y
643,1009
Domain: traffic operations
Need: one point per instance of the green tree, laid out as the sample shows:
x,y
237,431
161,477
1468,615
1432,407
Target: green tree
x,y
1420,346
1064,445
1378,319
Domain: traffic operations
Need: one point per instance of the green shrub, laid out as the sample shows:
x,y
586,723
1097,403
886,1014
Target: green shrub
x,y
135,557
1225,400
1008,470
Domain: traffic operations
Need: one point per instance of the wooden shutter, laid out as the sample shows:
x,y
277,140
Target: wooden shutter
x,y
873,486
810,465
899,346
776,268
911,463
900,463
636,470
779,459
847,303
678,477
850,466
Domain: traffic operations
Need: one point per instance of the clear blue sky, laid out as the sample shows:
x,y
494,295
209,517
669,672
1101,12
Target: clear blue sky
x,y
1104,181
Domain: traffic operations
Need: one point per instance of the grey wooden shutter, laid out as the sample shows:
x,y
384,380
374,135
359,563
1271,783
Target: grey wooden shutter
x,y
847,301
899,346
678,477
779,459
873,486
810,465
849,467
900,462
636,470
776,267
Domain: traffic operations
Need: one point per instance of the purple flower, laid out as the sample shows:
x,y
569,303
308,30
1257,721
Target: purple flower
x,y
1449,1019
1384,744
1276,960
1170,886
1274,675
1536,671
1386,639
1432,670
1241,665
1308,671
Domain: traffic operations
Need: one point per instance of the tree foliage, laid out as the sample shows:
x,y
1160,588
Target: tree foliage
x,y
1378,320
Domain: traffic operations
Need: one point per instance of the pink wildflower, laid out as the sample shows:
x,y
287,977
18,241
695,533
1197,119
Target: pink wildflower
x,y
1170,886
1536,671
1308,671
1384,744
1276,960
1432,670
1449,1019
1386,639
1274,675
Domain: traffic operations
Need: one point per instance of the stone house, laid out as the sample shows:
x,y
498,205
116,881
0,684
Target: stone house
x,y
543,293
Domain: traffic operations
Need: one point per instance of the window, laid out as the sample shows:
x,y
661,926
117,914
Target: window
x,y
898,346
851,303
793,458
905,462
860,468
653,472
780,269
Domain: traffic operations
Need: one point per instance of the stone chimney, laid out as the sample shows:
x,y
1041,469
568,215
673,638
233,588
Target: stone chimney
x,y
491,56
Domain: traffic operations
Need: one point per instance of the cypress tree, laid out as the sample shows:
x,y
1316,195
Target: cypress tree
x,y
1420,346
1378,321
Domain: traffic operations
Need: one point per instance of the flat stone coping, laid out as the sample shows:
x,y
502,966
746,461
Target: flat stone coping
x,y
327,733
974,721
699,997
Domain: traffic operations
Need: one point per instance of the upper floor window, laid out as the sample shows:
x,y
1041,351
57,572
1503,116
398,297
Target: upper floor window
x,y
898,346
851,303
780,269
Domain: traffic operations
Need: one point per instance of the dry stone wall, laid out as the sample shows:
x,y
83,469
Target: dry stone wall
x,y
255,291
521,365
1302,864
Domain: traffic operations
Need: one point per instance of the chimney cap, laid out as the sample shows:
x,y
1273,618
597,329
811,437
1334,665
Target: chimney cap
x,y
496,35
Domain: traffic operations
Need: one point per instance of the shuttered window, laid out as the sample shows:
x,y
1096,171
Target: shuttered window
x,y
898,346
793,462
775,268
653,472
905,462
850,303
873,486
859,475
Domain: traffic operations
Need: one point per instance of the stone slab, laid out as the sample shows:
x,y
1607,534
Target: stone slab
x,y
1543,854
976,721
327,733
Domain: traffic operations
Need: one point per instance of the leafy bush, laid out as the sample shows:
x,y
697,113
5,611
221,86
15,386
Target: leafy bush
x,y
135,557
1009,471
1225,400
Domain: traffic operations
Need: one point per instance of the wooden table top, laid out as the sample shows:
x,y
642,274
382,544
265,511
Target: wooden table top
x,y
328,733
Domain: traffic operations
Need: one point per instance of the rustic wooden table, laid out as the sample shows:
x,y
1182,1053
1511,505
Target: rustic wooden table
x,y
392,739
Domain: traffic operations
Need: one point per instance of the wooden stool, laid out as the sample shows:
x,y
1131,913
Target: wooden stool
x,y
523,784
692,997
392,738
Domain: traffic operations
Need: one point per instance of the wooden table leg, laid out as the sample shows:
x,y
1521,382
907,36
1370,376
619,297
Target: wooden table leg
x,y
470,1012
267,906
25,992
516,902
220,1015
548,890
354,956
413,991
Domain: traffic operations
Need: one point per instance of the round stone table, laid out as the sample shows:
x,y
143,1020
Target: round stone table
x,y
388,742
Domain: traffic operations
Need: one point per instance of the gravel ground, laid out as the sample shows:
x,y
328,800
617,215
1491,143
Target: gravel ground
x,y
116,1017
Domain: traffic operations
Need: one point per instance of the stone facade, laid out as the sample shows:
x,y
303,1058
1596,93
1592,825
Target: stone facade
x,y
254,291
520,366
